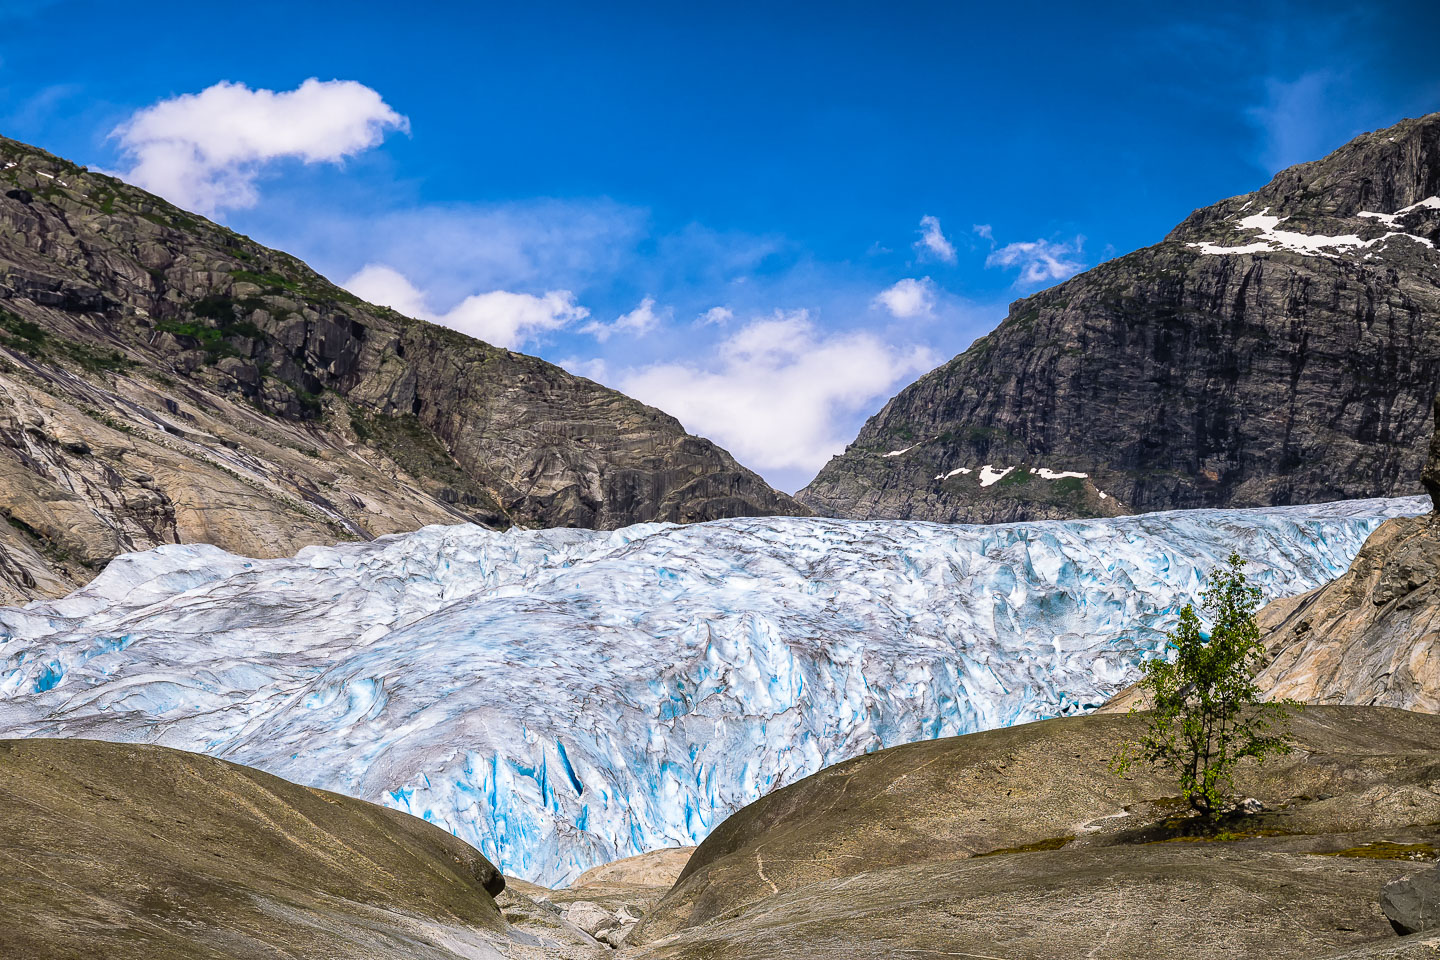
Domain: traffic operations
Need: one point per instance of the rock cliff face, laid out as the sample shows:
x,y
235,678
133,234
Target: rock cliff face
x,y
1371,636
163,380
1278,347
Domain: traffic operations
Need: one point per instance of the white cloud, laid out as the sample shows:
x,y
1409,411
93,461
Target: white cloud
x,y
1040,261
984,230
908,298
499,317
639,322
204,151
594,369
715,317
932,240
780,393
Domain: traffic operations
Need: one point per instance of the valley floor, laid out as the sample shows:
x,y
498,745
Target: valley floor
x,y
1014,843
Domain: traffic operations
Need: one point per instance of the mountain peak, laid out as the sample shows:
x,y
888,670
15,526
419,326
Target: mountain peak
x,y
166,380
1278,347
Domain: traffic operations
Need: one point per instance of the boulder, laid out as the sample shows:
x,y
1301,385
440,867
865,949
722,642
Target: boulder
x,y
1413,903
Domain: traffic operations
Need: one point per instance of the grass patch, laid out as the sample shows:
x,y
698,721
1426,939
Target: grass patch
x,y
1018,477
279,284
214,337
407,441
1049,843
1385,850
30,338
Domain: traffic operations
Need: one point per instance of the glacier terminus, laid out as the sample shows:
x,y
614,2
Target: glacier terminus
x,y
560,698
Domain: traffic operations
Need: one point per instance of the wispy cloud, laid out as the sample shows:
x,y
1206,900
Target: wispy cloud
x,y
780,393
933,242
1040,261
636,323
908,298
204,151
499,317
1303,119
715,317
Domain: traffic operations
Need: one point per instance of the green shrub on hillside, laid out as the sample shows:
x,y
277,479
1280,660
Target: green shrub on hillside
x,y
1207,714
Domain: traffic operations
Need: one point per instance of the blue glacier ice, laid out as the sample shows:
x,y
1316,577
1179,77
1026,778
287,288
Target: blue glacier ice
x,y
560,698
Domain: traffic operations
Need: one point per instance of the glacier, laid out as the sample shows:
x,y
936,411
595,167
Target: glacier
x,y
561,698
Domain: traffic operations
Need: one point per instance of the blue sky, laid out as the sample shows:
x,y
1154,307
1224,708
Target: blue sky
x,y
763,218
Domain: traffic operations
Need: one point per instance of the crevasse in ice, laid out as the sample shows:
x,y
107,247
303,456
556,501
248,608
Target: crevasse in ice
x,y
560,698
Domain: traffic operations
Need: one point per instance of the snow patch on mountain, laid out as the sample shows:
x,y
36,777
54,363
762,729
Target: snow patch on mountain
x,y
1315,245
561,698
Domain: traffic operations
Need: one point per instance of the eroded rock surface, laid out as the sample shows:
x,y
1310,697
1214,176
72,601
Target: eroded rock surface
x,y
1278,347
163,380
1019,843
127,851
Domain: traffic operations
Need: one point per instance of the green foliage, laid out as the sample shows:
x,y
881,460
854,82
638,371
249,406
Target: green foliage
x,y
210,339
30,338
22,334
306,286
1207,714
214,337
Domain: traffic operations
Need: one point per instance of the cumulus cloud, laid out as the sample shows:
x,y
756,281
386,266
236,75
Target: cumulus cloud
x,y
204,151
908,298
715,317
932,240
637,322
1039,261
500,317
780,393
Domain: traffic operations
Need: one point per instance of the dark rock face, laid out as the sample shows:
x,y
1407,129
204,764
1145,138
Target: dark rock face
x,y
1278,347
1430,476
163,379
1413,903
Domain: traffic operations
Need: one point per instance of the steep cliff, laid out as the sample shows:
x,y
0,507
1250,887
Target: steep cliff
x,y
163,379
1278,347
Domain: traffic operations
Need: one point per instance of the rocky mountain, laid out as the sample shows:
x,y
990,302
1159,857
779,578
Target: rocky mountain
x,y
164,380
1278,347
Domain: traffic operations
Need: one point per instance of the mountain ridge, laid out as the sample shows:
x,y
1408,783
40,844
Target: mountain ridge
x,y
1274,348
164,379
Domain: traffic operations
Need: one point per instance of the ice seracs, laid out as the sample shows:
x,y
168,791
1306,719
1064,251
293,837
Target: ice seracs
x,y
561,698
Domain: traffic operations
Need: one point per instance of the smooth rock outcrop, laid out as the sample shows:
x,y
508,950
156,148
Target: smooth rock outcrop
x,y
128,851
1278,347
1020,843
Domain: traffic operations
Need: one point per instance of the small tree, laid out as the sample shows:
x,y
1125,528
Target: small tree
x,y
1207,713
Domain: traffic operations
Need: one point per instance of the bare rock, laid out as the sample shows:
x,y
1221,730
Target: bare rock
x,y
1413,903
